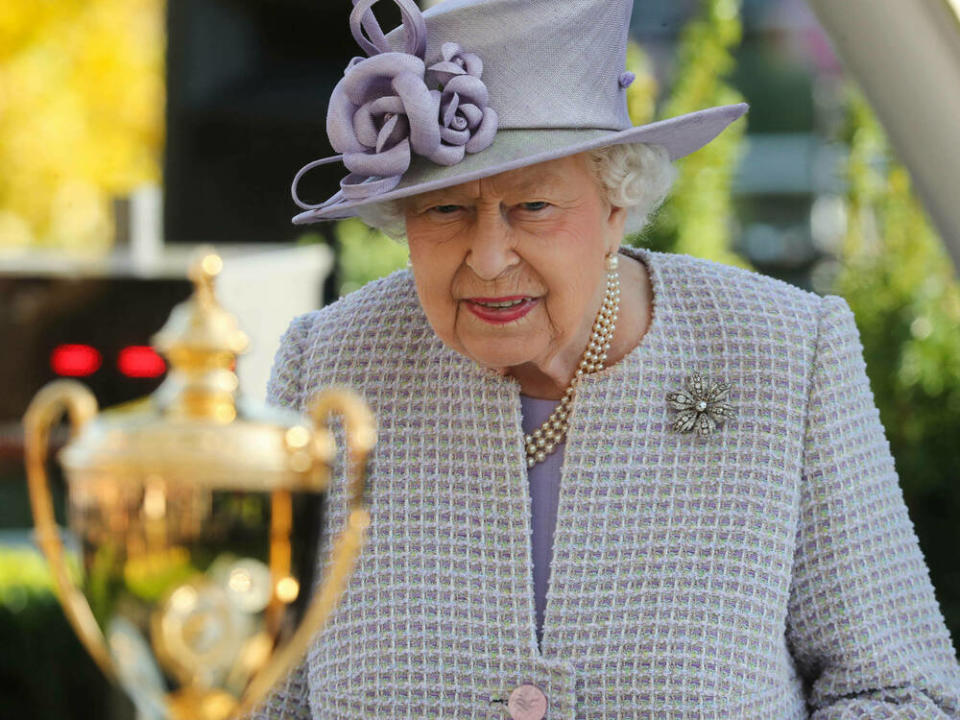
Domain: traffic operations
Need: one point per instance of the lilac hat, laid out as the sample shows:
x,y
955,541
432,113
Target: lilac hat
x,y
472,88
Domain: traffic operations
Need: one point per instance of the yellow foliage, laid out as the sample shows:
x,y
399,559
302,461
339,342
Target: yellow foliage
x,y
81,116
642,93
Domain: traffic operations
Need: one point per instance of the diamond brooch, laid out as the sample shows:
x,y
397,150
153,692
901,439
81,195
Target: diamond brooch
x,y
701,406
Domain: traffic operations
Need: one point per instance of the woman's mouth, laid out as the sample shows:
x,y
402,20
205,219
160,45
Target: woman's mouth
x,y
501,310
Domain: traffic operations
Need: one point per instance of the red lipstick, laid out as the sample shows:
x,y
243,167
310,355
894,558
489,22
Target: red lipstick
x,y
500,310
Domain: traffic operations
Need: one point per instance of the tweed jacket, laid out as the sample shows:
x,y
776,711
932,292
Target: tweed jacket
x,y
768,571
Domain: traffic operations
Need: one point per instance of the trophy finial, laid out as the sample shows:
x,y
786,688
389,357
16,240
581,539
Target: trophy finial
x,y
203,270
201,340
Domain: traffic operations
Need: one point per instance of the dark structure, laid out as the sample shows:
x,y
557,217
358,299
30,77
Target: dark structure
x,y
247,88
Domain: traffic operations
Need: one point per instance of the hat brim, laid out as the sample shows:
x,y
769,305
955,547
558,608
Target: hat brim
x,y
512,149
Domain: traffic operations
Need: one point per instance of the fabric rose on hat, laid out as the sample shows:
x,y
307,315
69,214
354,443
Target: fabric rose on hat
x,y
467,124
379,113
382,112
456,62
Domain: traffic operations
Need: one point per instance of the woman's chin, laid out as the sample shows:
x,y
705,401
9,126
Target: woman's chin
x,y
500,356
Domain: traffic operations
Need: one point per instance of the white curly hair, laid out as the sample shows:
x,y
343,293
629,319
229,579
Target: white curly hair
x,y
635,176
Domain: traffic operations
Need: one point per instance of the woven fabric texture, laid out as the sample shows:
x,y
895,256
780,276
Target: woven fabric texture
x,y
768,571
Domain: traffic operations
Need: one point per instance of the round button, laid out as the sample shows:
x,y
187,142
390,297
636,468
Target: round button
x,y
527,702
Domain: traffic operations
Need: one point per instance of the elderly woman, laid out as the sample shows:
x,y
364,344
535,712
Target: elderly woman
x,y
610,483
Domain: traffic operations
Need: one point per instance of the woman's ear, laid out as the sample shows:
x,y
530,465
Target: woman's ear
x,y
616,222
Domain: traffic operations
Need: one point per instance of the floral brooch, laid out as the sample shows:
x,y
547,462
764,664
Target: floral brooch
x,y
701,406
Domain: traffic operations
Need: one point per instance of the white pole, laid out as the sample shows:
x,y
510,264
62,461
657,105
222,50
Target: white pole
x,y
905,54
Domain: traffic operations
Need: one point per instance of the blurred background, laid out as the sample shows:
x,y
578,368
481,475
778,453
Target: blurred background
x,y
133,130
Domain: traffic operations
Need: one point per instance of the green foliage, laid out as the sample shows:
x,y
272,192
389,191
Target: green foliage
x,y
44,671
698,217
23,575
902,288
365,254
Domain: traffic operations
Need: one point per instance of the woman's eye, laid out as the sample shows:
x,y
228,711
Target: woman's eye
x,y
535,206
445,209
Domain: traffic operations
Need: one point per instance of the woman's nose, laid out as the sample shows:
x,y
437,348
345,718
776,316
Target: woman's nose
x,y
492,249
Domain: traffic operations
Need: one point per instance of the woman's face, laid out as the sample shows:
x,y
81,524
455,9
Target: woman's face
x,y
510,269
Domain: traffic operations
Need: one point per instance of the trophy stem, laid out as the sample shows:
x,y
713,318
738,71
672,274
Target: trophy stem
x,y
343,558
281,526
193,704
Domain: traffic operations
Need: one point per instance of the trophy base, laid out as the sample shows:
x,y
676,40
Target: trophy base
x,y
194,704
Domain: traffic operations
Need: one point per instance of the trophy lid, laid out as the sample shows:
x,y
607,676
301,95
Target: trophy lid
x,y
200,324
194,426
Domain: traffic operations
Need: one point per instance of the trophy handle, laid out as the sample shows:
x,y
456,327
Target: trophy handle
x,y
361,436
46,408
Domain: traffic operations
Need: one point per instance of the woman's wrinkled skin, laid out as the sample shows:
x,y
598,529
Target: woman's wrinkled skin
x,y
541,232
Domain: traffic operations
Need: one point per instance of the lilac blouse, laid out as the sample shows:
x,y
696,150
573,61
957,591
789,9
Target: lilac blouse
x,y
544,479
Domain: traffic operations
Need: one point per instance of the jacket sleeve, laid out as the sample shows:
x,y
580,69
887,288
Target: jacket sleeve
x,y
863,625
285,386
289,700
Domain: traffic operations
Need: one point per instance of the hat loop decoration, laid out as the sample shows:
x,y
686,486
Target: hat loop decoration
x,y
390,105
362,18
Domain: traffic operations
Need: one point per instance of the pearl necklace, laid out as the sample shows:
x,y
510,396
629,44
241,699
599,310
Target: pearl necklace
x,y
544,440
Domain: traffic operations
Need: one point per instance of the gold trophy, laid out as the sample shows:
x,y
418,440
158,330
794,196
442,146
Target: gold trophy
x,y
198,516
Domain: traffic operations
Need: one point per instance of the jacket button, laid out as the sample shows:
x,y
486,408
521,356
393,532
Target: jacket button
x,y
527,702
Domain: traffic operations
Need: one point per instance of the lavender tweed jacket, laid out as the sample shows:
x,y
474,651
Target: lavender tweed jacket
x,y
768,571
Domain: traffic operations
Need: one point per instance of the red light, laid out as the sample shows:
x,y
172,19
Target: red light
x,y
140,361
75,360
